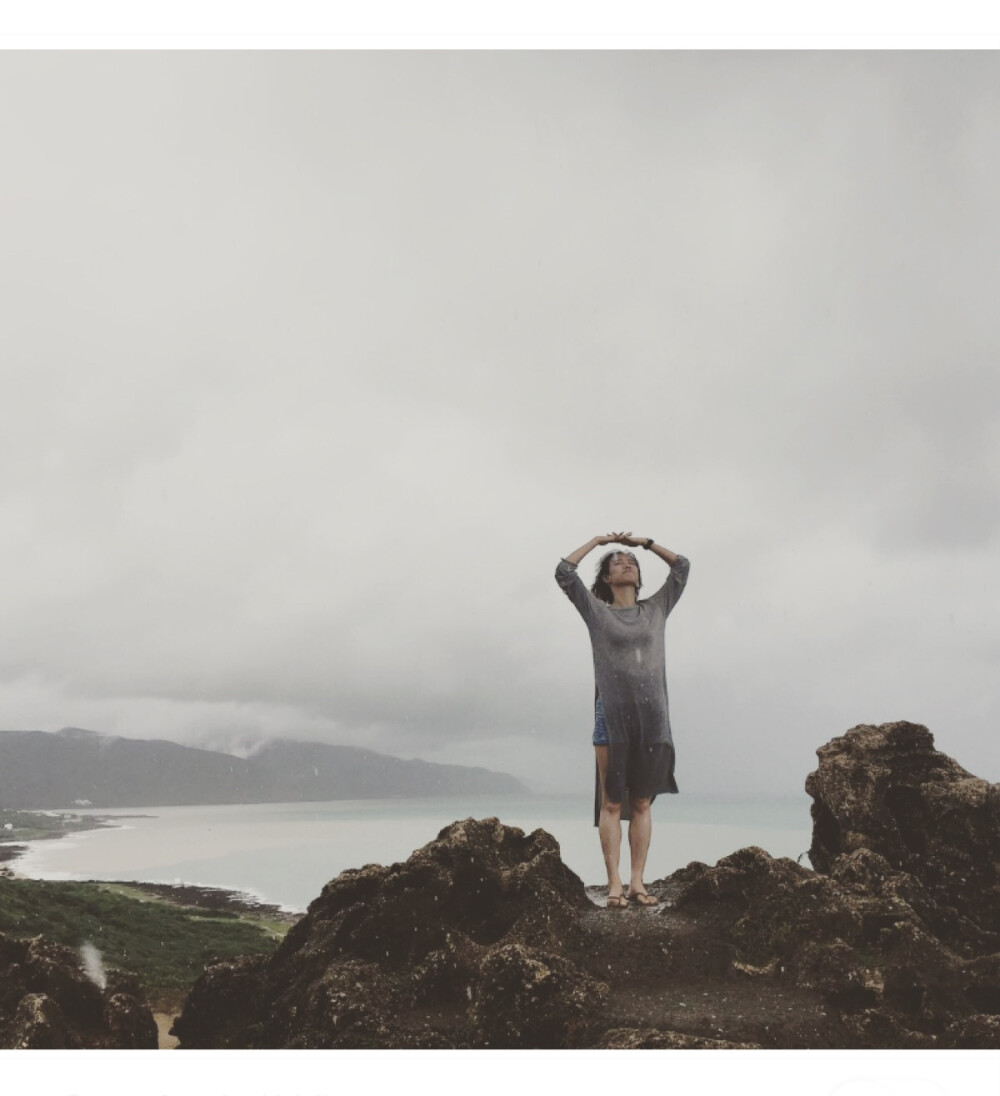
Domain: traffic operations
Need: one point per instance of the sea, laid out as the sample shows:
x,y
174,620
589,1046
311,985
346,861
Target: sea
x,y
282,854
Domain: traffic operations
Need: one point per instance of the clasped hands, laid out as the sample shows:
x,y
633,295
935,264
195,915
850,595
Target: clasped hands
x,y
622,538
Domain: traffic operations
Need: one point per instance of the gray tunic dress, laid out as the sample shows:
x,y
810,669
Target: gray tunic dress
x,y
630,672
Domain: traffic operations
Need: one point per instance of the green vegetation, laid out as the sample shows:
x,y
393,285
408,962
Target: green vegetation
x,y
33,825
165,944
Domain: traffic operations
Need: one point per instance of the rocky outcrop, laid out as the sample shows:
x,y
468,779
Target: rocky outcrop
x,y
48,1002
458,946
853,939
888,790
483,938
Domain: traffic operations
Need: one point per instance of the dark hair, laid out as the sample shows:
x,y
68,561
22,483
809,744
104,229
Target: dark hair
x,y
601,588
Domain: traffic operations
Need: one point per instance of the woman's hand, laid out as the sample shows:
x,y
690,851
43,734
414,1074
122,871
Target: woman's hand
x,y
610,538
594,542
630,541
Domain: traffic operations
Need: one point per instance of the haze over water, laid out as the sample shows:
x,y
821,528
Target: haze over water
x,y
284,853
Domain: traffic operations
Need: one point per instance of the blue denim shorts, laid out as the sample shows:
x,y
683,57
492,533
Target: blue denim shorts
x,y
600,727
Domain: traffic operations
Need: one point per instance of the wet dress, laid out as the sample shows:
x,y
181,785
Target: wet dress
x,y
630,673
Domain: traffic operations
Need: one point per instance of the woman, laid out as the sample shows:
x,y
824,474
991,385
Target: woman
x,y
632,740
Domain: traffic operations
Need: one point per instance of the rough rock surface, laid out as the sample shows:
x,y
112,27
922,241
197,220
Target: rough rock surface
x,y
48,1002
887,789
483,938
458,946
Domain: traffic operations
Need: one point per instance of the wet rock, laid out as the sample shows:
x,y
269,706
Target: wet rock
x,y
767,907
973,1033
223,1005
875,1029
653,1039
889,931
528,998
483,938
48,1002
888,790
458,945
448,973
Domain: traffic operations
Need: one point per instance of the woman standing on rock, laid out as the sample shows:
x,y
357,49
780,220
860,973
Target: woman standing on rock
x,y
632,740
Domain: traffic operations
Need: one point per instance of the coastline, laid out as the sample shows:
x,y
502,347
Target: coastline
x,y
216,899
486,937
284,854
21,829
206,904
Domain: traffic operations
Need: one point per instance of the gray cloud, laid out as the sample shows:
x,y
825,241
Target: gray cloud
x,y
316,362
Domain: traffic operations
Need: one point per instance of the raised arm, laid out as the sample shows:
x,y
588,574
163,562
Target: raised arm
x,y
569,580
594,542
647,542
672,589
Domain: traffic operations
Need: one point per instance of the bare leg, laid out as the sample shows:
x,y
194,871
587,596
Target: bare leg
x,y
610,829
640,830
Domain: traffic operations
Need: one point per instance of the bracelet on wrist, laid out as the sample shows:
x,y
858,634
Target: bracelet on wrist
x,y
648,544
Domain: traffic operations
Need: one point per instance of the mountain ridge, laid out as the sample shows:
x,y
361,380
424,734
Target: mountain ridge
x,y
76,767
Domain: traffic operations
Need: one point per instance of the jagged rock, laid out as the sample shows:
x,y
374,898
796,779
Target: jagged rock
x,y
855,937
37,1024
984,987
484,938
768,908
222,1005
973,1033
48,1002
528,998
888,790
458,945
653,1039
876,1029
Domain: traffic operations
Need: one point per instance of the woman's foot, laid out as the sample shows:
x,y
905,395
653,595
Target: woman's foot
x,y
642,897
616,900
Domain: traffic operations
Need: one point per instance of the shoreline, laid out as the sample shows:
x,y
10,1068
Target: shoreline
x,y
698,836
21,831
201,896
217,899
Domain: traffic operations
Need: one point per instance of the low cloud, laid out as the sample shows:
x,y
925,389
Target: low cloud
x,y
306,400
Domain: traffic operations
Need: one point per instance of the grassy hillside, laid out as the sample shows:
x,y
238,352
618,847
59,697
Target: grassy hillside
x,y
166,945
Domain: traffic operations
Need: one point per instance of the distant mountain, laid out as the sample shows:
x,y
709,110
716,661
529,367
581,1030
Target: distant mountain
x,y
74,767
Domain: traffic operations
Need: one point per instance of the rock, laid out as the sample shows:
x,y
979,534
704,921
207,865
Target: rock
x,y
222,1005
973,1033
459,945
768,908
899,944
528,998
886,789
483,938
653,1039
47,1001
37,1024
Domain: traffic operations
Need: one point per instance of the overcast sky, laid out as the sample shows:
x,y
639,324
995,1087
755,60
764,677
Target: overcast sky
x,y
314,364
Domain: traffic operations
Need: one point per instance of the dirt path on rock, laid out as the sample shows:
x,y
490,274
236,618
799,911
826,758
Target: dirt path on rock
x,y
164,1021
667,972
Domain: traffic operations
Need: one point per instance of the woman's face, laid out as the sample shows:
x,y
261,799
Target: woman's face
x,y
623,570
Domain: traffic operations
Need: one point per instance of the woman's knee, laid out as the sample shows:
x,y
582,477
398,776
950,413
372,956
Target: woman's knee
x,y
615,809
639,806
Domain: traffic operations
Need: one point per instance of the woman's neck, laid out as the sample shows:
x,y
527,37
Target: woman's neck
x,y
624,597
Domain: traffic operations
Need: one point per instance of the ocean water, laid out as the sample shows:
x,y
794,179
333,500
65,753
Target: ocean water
x,y
283,853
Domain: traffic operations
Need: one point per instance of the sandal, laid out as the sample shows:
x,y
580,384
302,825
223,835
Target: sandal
x,y
643,898
617,901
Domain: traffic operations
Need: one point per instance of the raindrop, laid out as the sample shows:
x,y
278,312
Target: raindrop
x,y
93,966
